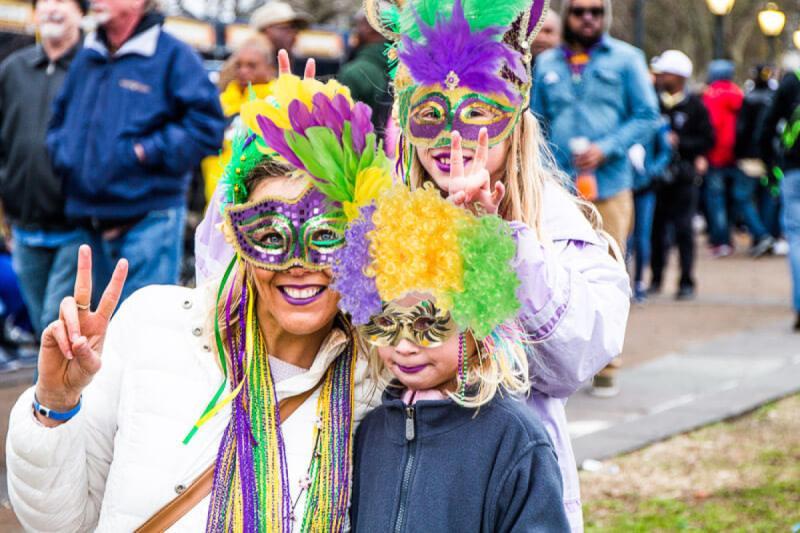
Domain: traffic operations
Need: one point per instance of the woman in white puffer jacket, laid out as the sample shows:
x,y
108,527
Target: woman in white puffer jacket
x,y
121,458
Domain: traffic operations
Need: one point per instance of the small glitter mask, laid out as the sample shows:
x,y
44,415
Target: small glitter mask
x,y
275,233
423,324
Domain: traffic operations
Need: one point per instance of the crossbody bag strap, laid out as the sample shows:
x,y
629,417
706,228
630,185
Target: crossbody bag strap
x,y
184,502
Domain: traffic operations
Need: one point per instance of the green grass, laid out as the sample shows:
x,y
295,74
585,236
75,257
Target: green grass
x,y
773,506
762,446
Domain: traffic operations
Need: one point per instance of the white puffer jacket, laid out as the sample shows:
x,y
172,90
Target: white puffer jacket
x,y
121,458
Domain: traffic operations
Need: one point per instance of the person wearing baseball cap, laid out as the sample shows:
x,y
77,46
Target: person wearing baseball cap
x,y
280,23
45,244
691,136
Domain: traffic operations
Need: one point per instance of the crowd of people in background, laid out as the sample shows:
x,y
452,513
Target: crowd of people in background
x,y
658,152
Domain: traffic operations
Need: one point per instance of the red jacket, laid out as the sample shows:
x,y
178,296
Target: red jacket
x,y
723,100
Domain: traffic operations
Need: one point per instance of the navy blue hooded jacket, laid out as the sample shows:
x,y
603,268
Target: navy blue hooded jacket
x,y
437,466
153,91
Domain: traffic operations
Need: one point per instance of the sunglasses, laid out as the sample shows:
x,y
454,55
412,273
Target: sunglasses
x,y
595,12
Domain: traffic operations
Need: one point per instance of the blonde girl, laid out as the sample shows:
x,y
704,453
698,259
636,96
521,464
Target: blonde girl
x,y
462,82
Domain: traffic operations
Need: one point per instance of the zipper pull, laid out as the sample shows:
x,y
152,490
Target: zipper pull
x,y
409,423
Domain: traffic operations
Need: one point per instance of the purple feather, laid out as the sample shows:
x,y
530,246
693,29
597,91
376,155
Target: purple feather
x,y
275,138
299,117
326,116
361,125
360,296
475,58
342,106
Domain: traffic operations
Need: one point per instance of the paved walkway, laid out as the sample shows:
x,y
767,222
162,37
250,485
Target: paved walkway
x,y
708,382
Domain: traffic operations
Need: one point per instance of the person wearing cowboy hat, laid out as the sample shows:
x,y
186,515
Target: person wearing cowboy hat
x,y
280,23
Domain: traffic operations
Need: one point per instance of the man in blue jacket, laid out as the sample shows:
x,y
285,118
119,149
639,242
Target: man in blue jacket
x,y
596,88
136,113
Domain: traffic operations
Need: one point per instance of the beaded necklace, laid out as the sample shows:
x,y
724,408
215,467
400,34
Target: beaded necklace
x,y
251,487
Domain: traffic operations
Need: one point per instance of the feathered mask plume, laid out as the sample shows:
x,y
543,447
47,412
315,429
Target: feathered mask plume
x,y
472,50
317,128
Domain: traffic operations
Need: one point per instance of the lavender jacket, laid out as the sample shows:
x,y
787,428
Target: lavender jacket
x,y
575,299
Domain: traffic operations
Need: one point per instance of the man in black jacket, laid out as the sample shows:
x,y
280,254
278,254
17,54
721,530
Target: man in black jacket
x,y
691,136
786,105
748,150
45,246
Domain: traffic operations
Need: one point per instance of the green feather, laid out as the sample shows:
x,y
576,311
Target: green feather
x,y
305,152
481,14
233,182
329,160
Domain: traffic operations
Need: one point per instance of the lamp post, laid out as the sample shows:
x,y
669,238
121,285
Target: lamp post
x,y
771,20
719,8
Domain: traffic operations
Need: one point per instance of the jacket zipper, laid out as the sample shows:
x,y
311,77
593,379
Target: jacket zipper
x,y
412,448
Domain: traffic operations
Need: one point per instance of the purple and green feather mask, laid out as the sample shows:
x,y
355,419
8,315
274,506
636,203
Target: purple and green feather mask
x,y
329,139
461,65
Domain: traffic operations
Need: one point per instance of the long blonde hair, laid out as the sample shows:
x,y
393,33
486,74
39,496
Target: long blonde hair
x,y
530,167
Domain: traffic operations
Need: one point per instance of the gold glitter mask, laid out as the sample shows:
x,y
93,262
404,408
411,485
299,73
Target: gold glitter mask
x,y
423,324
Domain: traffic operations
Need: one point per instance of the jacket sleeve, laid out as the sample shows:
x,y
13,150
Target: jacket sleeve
x,y
663,154
701,137
539,98
57,476
575,299
642,111
781,107
59,112
199,127
530,498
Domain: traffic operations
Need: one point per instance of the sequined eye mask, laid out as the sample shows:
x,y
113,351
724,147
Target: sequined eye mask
x,y
274,233
423,324
434,115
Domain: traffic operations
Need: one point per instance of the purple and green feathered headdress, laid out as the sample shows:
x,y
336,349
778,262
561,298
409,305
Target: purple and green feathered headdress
x,y
486,44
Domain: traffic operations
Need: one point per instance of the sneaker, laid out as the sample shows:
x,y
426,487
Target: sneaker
x,y
781,247
720,250
604,387
16,335
7,362
654,289
762,247
685,293
27,356
639,294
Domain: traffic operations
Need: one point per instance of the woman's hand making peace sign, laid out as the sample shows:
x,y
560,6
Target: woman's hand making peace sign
x,y
475,187
72,346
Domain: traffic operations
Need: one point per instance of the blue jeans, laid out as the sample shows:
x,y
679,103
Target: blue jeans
x,y
46,276
769,208
790,191
639,243
153,248
742,190
12,304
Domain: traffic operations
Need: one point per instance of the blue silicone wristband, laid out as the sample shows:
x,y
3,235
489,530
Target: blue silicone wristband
x,y
55,415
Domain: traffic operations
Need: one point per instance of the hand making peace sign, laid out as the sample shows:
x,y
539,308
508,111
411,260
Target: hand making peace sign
x,y
475,187
285,67
72,345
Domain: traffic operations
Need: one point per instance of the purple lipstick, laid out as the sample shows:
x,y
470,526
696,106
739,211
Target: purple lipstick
x,y
411,369
301,294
